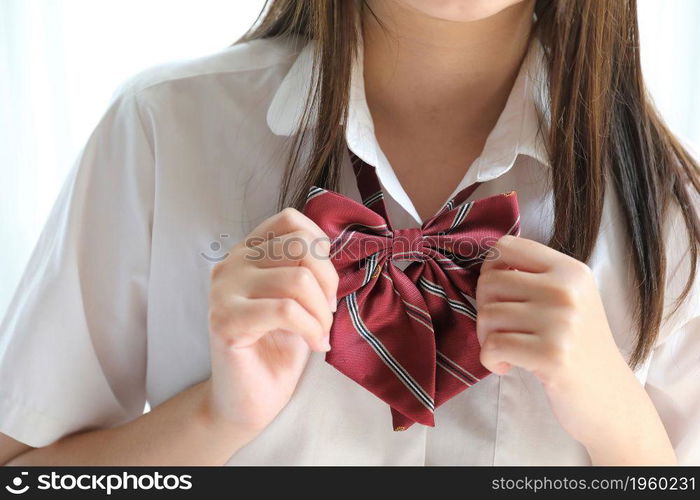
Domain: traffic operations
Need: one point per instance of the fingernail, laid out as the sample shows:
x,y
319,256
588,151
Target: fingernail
x,y
333,304
326,346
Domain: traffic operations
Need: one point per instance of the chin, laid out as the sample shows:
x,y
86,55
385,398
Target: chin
x,y
459,10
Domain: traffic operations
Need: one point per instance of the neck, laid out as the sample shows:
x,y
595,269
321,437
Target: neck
x,y
421,69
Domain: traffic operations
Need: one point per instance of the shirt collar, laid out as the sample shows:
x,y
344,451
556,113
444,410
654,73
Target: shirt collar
x,y
287,106
516,131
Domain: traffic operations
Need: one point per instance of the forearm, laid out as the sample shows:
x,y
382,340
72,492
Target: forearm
x,y
634,433
177,432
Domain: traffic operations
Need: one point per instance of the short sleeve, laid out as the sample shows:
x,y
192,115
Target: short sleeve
x,y
673,384
73,341
673,378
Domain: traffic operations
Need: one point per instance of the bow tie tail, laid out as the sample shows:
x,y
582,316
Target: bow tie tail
x,y
401,422
378,346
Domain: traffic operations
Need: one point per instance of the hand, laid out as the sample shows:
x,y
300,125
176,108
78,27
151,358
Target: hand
x,y
271,303
540,310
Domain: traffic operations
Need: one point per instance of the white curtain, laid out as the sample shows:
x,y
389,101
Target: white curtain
x,y
671,62
60,61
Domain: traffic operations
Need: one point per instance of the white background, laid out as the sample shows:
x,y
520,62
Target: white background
x,y
60,61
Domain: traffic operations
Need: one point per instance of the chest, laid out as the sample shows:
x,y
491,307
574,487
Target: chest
x,y
504,420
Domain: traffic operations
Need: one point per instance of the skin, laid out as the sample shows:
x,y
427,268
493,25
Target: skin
x,y
442,81
267,315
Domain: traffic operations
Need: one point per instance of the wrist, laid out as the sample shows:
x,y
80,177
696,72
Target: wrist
x,y
215,425
632,432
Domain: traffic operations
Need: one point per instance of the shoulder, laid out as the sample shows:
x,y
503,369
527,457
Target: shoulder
x,y
259,57
216,91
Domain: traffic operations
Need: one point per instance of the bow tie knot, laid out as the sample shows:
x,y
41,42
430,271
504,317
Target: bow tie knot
x,y
407,245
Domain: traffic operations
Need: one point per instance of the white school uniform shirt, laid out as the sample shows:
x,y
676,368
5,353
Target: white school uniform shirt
x,y
112,309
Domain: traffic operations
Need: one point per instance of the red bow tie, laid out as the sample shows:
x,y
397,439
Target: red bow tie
x,y
408,336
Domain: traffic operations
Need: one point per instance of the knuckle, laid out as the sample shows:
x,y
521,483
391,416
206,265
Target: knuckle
x,y
484,284
494,343
567,320
302,243
487,313
250,249
295,247
286,308
220,320
227,316
302,277
321,246
289,215
305,235
557,355
581,269
568,295
577,272
563,292
484,280
504,242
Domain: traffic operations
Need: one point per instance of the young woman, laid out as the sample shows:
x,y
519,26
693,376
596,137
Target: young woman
x,y
142,287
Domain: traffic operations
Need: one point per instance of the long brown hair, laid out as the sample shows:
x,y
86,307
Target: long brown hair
x,y
603,126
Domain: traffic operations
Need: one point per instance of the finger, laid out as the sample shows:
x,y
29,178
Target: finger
x,y
507,317
286,221
296,283
517,349
300,248
521,254
247,320
498,285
